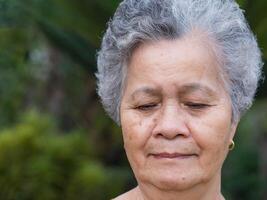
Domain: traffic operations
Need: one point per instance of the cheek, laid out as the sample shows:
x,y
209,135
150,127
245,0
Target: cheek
x,y
213,131
212,136
136,131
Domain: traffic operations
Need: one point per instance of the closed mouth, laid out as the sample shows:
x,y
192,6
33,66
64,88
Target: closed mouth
x,y
171,155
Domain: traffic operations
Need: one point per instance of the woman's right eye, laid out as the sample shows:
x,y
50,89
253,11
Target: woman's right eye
x,y
146,107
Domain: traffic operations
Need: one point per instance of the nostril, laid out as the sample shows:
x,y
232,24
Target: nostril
x,y
159,135
170,136
171,130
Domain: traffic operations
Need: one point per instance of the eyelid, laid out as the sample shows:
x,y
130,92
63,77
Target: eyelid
x,y
197,105
146,107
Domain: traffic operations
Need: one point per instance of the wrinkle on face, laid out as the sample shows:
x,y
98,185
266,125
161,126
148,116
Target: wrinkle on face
x,y
171,75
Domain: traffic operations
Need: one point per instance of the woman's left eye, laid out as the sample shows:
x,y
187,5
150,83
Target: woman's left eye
x,y
196,106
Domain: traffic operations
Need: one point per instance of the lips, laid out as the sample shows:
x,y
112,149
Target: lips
x,y
165,155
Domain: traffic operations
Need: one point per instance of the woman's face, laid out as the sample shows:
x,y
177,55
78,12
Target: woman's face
x,y
175,114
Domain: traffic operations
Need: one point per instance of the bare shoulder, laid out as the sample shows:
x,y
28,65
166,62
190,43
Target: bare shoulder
x,y
132,194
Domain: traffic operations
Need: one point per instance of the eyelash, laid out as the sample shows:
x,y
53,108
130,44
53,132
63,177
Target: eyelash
x,y
191,105
146,107
196,106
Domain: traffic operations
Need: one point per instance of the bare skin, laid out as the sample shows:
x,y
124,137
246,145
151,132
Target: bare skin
x,y
136,194
176,121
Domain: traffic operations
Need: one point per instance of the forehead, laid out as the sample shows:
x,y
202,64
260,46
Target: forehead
x,y
197,50
180,61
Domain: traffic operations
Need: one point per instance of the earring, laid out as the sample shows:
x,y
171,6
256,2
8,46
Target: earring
x,y
232,145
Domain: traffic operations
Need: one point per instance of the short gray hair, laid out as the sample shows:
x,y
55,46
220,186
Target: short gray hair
x,y
138,21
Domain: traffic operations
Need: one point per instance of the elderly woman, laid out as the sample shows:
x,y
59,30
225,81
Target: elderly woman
x,y
177,75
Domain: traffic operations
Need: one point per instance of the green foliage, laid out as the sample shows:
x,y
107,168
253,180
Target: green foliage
x,y
38,162
243,174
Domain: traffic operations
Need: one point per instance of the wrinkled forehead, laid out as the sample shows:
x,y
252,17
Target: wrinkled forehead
x,y
195,38
196,44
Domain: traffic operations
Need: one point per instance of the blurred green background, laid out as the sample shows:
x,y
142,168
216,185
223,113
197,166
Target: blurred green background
x,y
56,142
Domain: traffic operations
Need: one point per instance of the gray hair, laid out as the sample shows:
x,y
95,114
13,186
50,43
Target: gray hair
x,y
138,21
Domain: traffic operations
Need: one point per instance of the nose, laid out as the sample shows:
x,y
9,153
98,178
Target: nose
x,y
171,123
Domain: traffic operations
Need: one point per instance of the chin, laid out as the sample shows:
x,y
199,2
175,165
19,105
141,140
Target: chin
x,y
179,183
173,181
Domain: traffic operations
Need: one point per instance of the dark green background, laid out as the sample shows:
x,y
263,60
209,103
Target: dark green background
x,y
56,142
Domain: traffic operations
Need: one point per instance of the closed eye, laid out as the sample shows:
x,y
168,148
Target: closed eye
x,y
146,107
196,106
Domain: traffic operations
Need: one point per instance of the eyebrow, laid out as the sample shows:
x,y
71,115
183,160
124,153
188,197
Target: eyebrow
x,y
145,90
195,87
184,90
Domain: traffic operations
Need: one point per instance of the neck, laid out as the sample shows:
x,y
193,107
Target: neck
x,y
205,191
